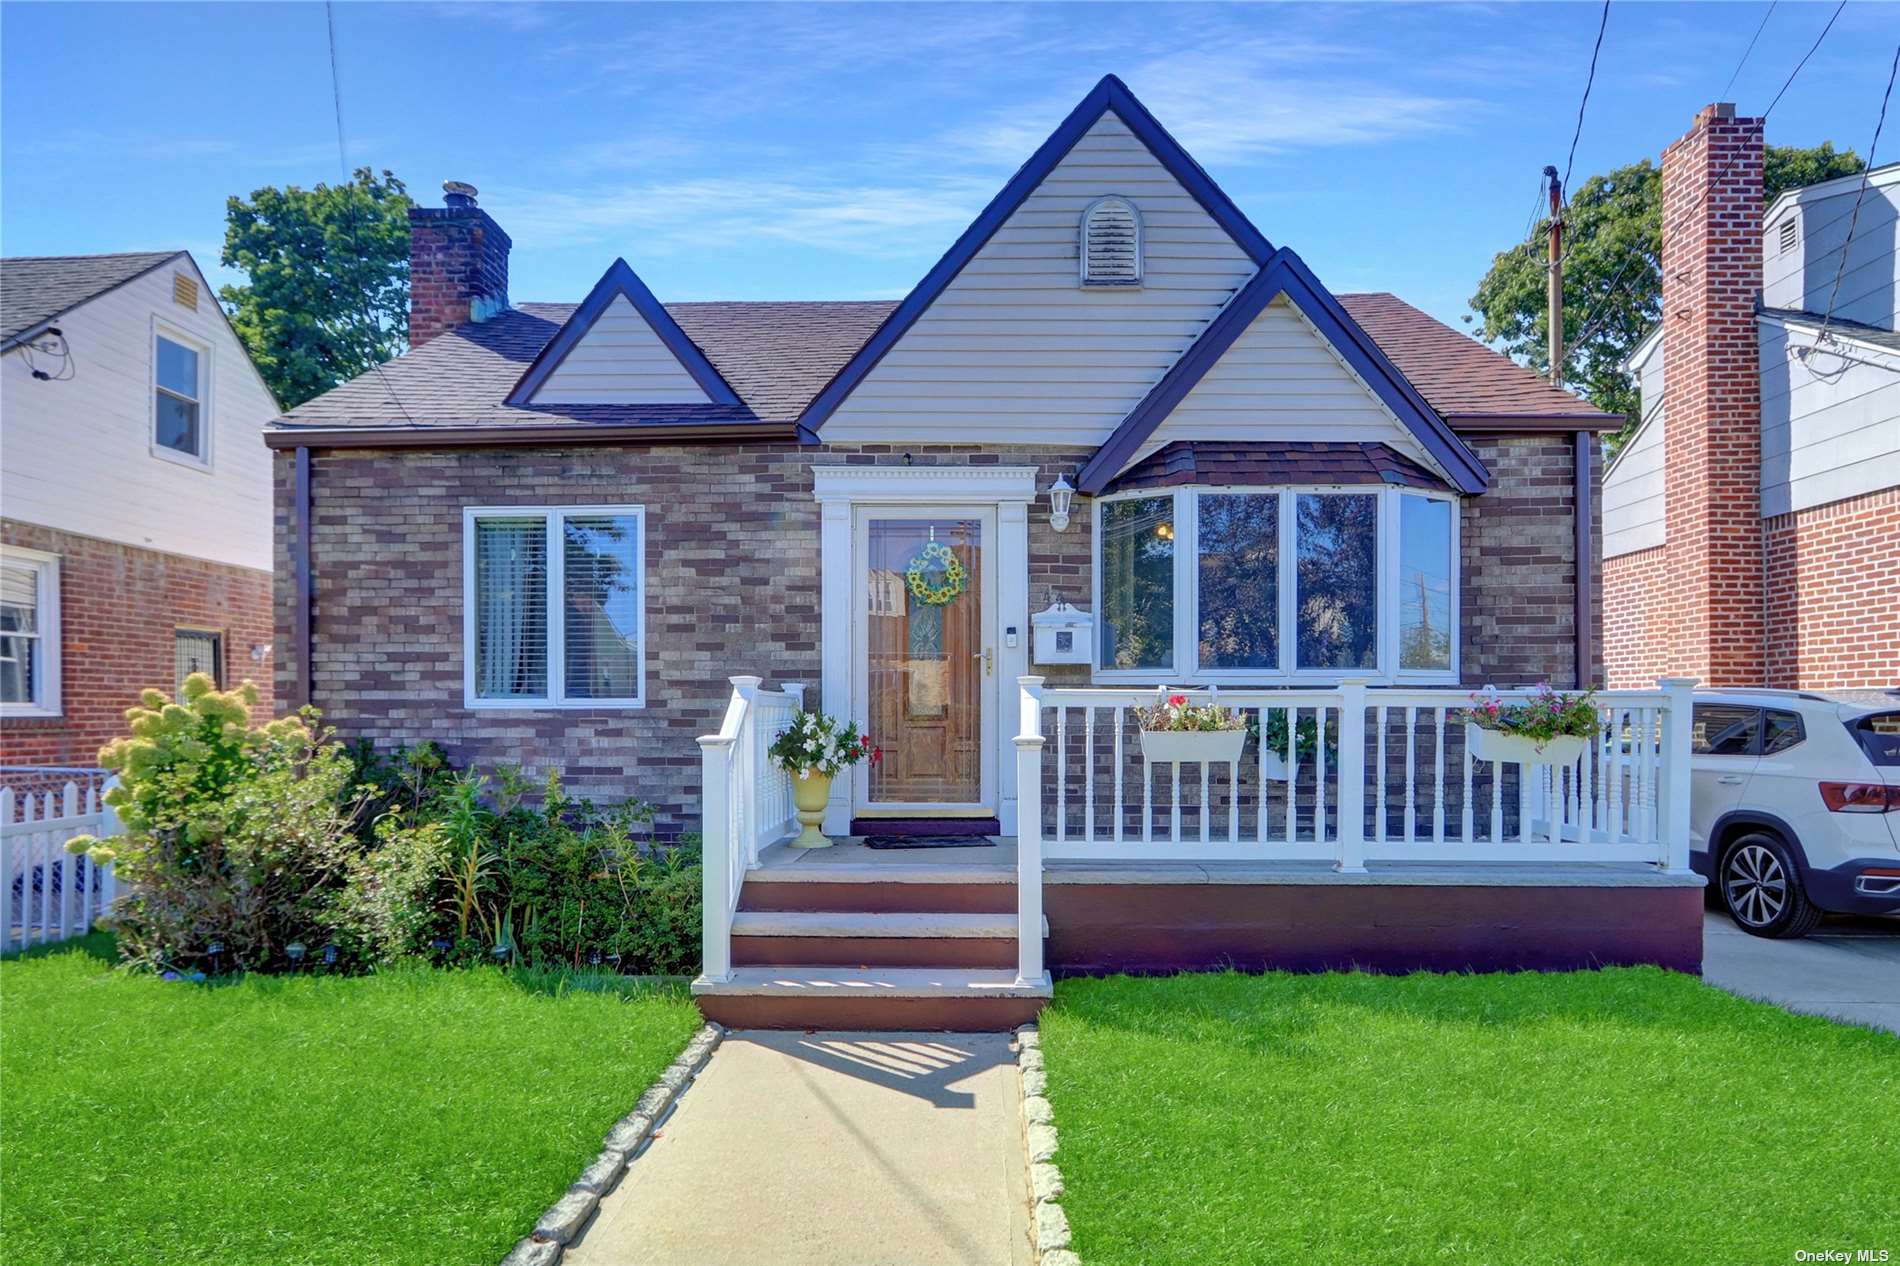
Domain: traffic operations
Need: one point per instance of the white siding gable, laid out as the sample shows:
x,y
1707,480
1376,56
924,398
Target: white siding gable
x,y
1282,380
78,455
1015,349
1803,277
620,360
1634,511
1830,426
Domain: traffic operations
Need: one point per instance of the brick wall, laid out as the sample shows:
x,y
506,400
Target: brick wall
x,y
1833,594
1694,606
458,269
733,586
119,608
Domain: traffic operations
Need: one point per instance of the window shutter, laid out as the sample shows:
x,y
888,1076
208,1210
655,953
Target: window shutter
x,y
1111,243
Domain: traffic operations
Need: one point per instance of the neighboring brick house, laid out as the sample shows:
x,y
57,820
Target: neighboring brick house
x,y
135,542
551,532
1752,523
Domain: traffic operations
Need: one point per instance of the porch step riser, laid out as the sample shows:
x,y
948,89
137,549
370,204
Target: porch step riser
x,y
873,951
879,898
876,1015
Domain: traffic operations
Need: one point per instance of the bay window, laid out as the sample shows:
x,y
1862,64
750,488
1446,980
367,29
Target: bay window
x,y
554,606
1277,584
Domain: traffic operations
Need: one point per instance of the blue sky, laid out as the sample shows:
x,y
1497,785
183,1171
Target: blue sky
x,y
835,151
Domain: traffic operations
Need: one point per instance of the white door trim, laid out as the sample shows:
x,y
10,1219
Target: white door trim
x,y
1009,489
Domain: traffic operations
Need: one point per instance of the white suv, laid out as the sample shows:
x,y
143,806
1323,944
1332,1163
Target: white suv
x,y
1795,804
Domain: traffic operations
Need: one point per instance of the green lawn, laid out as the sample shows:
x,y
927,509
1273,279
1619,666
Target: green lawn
x,y
417,1116
1629,1116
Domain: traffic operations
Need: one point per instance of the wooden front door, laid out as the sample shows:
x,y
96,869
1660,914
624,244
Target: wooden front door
x,y
925,658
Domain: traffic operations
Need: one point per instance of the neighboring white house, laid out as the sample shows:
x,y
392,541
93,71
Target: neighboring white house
x,y
1828,383
135,496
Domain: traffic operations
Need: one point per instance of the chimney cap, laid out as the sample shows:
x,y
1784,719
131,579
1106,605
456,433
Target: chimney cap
x,y
1717,110
458,193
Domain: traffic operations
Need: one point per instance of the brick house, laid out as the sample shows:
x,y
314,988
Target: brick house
x,y
1115,439
1752,524
135,543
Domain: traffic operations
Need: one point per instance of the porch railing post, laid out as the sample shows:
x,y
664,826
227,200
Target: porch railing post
x,y
715,754
1352,777
1673,854
1029,967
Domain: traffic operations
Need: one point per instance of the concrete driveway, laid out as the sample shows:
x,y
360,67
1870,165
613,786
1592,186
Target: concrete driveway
x,y
1847,969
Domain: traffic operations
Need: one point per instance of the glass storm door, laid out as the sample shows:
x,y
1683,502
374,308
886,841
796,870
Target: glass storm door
x,y
926,661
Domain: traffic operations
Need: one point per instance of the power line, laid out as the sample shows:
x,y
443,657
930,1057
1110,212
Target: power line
x,y
1603,24
349,206
1751,48
1873,149
1590,325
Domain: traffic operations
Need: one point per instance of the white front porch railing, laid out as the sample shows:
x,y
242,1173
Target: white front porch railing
x,y
1384,776
46,893
745,804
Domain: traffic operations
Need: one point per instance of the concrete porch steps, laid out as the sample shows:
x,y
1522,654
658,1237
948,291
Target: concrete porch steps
x,y
901,939
875,999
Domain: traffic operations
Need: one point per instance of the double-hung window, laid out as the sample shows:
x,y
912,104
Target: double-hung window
x,y
554,606
180,387
29,633
1270,584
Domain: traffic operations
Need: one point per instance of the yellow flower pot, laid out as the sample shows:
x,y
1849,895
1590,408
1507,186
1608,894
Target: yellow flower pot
x,y
810,793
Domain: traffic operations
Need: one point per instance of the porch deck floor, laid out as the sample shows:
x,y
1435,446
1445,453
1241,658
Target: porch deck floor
x,y
849,861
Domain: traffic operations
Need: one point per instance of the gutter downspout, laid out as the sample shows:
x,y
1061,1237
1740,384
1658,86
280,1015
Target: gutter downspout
x,y
1585,605
300,603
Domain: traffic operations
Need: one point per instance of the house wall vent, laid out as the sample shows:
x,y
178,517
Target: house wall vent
x,y
185,291
1790,234
1111,243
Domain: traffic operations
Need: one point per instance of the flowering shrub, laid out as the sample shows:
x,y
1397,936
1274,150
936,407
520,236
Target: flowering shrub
x,y
815,743
1545,716
1176,713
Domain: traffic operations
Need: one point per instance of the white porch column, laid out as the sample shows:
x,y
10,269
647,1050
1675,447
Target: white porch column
x,y
1674,854
1029,968
1012,601
834,626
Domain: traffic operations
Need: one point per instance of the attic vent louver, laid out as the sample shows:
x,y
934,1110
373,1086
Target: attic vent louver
x,y
185,291
1111,243
1790,234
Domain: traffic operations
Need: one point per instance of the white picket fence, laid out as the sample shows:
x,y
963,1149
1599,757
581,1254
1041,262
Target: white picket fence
x,y
46,893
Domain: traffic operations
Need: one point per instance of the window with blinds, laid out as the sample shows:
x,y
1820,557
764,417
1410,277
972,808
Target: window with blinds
x,y
557,606
1110,244
197,651
19,633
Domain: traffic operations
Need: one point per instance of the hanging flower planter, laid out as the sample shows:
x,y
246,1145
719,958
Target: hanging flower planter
x,y
1549,729
1175,732
1516,749
1273,768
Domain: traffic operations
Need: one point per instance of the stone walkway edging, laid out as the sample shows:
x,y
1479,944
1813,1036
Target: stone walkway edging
x,y
1048,1224
558,1227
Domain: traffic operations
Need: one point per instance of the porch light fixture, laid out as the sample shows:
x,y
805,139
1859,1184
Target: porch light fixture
x,y
1061,493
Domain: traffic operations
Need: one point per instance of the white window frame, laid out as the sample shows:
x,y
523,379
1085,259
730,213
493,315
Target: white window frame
x,y
1185,668
552,517
46,690
172,334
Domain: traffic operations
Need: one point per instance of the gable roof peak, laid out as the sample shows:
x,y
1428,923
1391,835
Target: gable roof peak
x,y
621,282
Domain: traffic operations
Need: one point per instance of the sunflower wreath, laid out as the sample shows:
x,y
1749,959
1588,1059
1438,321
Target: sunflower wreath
x,y
944,591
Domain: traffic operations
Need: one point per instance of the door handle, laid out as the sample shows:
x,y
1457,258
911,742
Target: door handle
x,y
1730,780
988,656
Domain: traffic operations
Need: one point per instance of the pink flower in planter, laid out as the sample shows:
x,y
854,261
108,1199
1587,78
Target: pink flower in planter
x,y
1177,701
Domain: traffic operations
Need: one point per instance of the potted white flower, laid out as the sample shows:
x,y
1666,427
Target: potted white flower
x,y
1175,730
1549,729
813,749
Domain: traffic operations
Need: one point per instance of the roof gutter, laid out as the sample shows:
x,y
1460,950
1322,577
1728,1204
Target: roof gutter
x,y
299,437
1532,422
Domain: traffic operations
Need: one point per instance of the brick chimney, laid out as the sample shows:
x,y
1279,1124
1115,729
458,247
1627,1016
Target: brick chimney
x,y
458,264
1711,268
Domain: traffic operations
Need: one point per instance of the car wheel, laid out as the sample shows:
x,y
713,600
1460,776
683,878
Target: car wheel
x,y
1761,889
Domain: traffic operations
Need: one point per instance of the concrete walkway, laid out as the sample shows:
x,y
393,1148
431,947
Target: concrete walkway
x,y
1846,969
801,1149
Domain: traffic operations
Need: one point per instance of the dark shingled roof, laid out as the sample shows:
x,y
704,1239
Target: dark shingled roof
x,y
36,288
1877,335
1186,462
778,355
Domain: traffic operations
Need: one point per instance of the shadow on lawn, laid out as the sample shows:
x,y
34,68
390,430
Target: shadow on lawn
x,y
1278,1013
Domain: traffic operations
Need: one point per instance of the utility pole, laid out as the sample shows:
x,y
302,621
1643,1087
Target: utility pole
x,y
1554,300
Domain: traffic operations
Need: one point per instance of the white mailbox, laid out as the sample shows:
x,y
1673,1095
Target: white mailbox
x,y
1062,634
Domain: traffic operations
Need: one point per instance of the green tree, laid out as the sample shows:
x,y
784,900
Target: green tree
x,y
328,291
1612,274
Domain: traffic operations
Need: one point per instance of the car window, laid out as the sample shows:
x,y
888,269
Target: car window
x,y
1725,729
1879,736
1780,731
